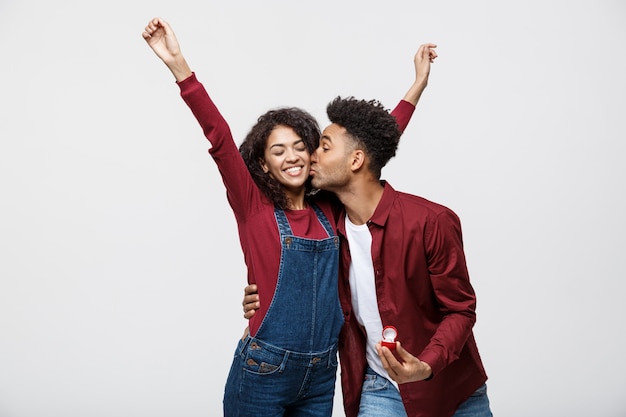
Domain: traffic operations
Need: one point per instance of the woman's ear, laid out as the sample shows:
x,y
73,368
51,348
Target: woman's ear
x,y
264,166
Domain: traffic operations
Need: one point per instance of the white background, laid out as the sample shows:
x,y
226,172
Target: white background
x,y
121,275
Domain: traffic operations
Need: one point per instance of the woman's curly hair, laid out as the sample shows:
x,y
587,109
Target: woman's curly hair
x,y
370,125
253,147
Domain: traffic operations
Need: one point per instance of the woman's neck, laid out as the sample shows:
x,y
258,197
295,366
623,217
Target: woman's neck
x,y
296,201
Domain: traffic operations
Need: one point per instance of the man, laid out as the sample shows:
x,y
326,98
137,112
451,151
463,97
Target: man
x,y
402,265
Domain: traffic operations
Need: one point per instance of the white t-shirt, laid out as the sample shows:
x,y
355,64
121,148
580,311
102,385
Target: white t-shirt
x,y
363,289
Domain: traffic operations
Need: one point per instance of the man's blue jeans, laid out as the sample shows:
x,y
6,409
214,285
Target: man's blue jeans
x,y
380,398
475,406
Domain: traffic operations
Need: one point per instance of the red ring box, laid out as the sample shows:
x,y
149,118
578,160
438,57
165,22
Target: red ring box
x,y
389,337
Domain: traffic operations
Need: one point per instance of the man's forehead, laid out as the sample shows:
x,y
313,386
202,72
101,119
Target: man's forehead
x,y
334,131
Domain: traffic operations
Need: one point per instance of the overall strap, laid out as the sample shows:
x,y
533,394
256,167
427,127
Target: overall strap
x,y
285,229
323,220
283,224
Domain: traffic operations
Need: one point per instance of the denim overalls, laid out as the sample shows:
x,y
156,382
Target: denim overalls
x,y
291,362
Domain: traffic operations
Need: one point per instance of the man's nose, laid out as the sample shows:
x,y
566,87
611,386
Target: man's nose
x,y
314,156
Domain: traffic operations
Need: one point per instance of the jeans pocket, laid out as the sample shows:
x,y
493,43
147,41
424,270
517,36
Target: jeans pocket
x,y
374,383
333,361
261,364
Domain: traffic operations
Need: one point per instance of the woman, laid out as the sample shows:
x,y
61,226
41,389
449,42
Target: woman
x,y
287,363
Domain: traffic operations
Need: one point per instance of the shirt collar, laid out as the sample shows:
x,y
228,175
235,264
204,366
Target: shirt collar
x,y
381,213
